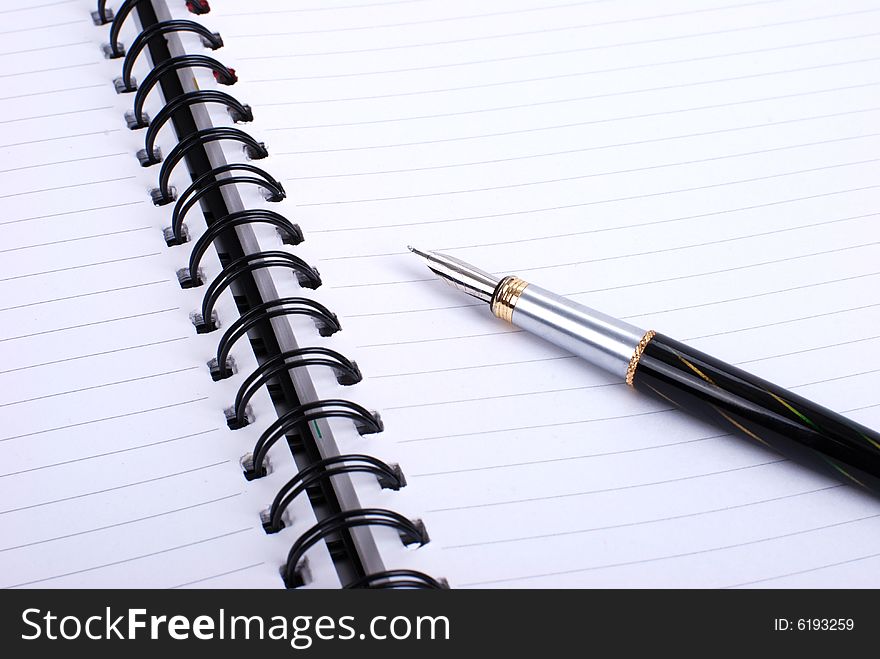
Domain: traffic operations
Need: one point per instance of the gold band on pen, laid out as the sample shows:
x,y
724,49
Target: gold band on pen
x,y
506,296
637,355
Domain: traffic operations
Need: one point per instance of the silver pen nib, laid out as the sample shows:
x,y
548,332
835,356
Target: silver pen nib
x,y
460,275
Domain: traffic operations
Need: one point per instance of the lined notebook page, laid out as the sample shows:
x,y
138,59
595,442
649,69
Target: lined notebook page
x,y
707,169
117,466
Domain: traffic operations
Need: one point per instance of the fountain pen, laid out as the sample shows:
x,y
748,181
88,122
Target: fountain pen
x,y
664,368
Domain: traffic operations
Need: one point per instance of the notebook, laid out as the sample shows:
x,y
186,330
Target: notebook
x,y
705,169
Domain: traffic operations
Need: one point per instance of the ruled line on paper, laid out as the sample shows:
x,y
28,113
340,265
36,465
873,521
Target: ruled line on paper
x,y
672,556
560,29
52,70
707,244
838,377
133,558
541,360
102,419
51,91
80,267
20,30
447,19
301,10
432,280
75,212
127,522
104,234
569,51
558,424
660,193
838,220
63,162
89,324
618,488
726,156
102,386
535,392
806,350
496,333
529,463
588,456
586,387
95,354
82,295
118,487
863,407
657,520
217,576
406,312
568,495
740,298
537,129
67,187
469,368
682,85
105,454
692,338
32,7
509,214
807,571
784,322
52,47
533,239
514,330
63,137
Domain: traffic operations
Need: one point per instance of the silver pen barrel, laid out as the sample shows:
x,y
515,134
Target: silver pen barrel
x,y
607,342
596,337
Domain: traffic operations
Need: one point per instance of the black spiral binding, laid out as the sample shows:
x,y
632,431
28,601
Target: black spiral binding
x,y
296,568
347,374
223,75
126,83
165,193
365,422
290,234
103,16
208,182
325,321
320,472
398,579
306,276
150,155
388,477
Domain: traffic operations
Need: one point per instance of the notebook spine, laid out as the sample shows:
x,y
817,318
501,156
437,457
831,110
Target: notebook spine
x,y
295,571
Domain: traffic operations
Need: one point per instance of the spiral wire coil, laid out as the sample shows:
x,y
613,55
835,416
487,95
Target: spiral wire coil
x,y
222,366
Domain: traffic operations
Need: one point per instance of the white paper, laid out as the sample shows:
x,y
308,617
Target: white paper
x,y
706,169
118,469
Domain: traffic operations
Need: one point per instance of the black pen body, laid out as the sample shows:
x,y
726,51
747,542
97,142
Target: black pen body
x,y
747,405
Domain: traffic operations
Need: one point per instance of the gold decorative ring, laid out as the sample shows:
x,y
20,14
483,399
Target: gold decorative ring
x,y
506,296
637,355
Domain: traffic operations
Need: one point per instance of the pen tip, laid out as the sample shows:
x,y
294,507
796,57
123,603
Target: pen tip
x,y
459,274
417,252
